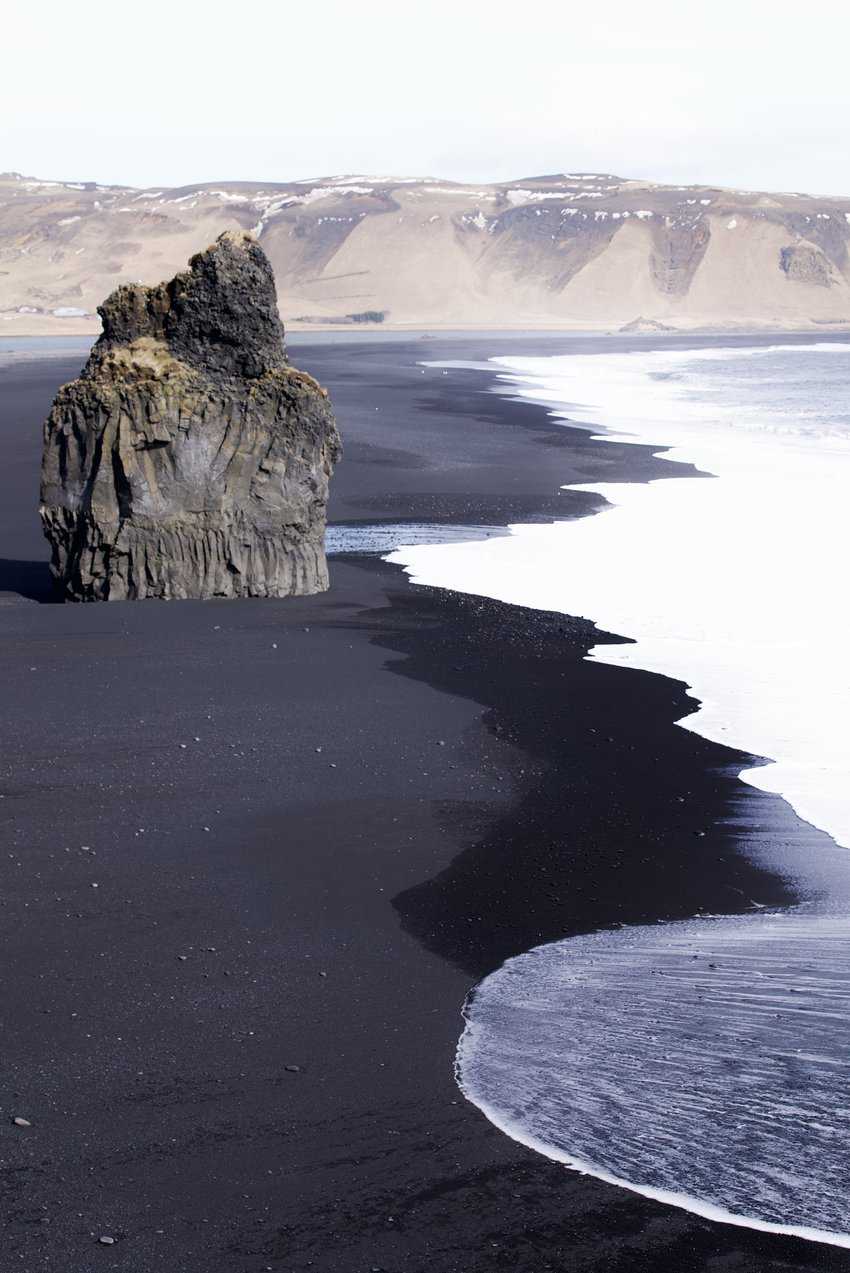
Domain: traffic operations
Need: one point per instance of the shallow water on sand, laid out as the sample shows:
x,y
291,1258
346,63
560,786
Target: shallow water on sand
x,y
386,537
705,1063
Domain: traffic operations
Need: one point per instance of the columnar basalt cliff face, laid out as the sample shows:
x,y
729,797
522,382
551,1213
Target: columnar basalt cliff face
x,y
190,459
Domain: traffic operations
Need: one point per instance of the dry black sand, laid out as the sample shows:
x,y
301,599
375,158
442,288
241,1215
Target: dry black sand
x,y
312,825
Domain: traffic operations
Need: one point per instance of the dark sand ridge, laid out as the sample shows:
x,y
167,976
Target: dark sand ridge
x,y
461,809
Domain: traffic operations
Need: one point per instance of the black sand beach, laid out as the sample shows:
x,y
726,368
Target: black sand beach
x,y
255,854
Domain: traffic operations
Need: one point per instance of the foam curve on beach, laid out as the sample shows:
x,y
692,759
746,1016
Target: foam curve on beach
x,y
704,1064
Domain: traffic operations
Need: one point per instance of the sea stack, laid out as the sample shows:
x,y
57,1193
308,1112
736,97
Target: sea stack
x,y
189,459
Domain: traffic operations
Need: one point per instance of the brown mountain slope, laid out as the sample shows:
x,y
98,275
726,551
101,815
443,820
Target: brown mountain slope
x,y
580,250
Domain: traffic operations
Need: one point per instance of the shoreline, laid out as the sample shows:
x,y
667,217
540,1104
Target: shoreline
x,y
719,640
469,809
65,329
725,629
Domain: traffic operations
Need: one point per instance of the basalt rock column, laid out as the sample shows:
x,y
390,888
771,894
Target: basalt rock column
x,y
190,459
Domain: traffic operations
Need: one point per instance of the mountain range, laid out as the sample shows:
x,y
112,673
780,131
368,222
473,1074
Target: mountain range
x,y
570,250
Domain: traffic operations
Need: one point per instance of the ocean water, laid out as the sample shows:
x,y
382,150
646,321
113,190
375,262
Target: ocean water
x,y
15,349
707,1063
385,537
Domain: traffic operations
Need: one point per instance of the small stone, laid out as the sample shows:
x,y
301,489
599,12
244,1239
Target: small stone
x,y
182,958
183,746
105,1240
292,1069
22,1122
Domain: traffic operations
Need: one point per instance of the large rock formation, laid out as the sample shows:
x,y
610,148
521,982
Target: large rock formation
x,y
190,459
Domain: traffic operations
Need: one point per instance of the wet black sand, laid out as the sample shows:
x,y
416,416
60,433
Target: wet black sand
x,y
263,904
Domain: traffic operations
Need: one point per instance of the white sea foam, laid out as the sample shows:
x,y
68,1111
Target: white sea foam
x,y
702,1064
732,585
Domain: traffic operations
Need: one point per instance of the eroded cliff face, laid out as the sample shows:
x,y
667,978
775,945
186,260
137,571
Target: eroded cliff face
x,y
584,250
190,459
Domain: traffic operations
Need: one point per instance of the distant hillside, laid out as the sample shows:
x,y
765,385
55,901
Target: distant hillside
x,y
576,250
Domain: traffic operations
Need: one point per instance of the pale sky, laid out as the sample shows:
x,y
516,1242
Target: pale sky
x,y
749,93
